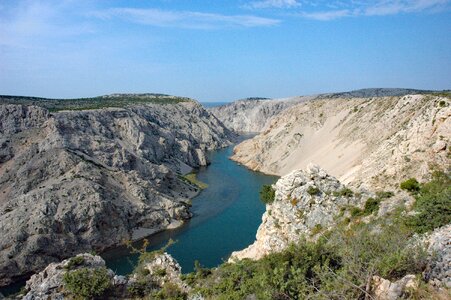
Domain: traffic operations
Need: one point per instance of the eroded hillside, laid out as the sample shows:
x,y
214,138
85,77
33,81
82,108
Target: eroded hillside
x,y
371,141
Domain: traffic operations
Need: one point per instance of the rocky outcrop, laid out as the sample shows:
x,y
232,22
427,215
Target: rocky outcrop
x,y
253,115
162,269
16,118
306,203
439,247
77,181
369,142
50,284
384,289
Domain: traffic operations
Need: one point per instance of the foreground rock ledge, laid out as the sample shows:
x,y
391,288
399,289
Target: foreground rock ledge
x,y
49,284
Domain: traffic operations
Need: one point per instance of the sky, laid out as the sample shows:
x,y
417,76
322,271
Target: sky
x,y
222,50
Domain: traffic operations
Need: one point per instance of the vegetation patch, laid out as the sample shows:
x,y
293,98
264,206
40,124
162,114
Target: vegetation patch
x,y
345,192
267,194
75,262
87,283
192,178
433,204
313,190
337,266
410,185
124,100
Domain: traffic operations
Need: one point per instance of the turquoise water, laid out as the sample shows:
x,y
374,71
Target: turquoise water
x,y
226,217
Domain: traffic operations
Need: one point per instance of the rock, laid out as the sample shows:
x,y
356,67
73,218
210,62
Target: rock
x,y
296,213
253,115
48,284
439,247
384,289
17,118
164,268
439,146
76,181
374,143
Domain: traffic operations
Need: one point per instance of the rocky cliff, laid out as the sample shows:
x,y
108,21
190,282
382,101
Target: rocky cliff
x,y
310,204
306,202
86,180
253,115
373,142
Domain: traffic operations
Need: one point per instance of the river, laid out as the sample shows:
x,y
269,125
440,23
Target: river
x,y
226,217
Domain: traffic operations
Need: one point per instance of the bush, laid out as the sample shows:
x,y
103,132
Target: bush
x,y
267,194
384,195
371,206
356,212
87,283
75,262
433,204
170,291
284,275
313,190
410,185
316,229
346,192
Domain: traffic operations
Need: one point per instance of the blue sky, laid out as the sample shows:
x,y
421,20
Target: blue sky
x,y
222,50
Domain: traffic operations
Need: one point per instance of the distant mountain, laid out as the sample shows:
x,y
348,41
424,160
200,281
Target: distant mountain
x,y
377,92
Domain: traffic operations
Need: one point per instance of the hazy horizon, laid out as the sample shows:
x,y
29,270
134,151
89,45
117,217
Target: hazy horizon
x,y
222,52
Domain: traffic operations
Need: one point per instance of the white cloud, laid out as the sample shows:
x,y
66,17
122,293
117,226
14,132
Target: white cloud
x,y
29,22
395,7
372,8
184,19
327,15
273,3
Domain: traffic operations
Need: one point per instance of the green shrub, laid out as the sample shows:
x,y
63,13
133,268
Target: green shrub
x,y
356,212
316,229
371,206
313,190
284,275
267,194
138,288
87,283
410,185
345,192
433,204
160,272
442,103
170,291
384,194
75,262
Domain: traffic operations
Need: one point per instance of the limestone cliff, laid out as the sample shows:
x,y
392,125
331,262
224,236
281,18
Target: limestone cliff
x,y
305,201
372,142
253,115
75,181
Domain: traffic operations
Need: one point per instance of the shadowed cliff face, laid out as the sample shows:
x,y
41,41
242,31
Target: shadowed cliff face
x,y
76,181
